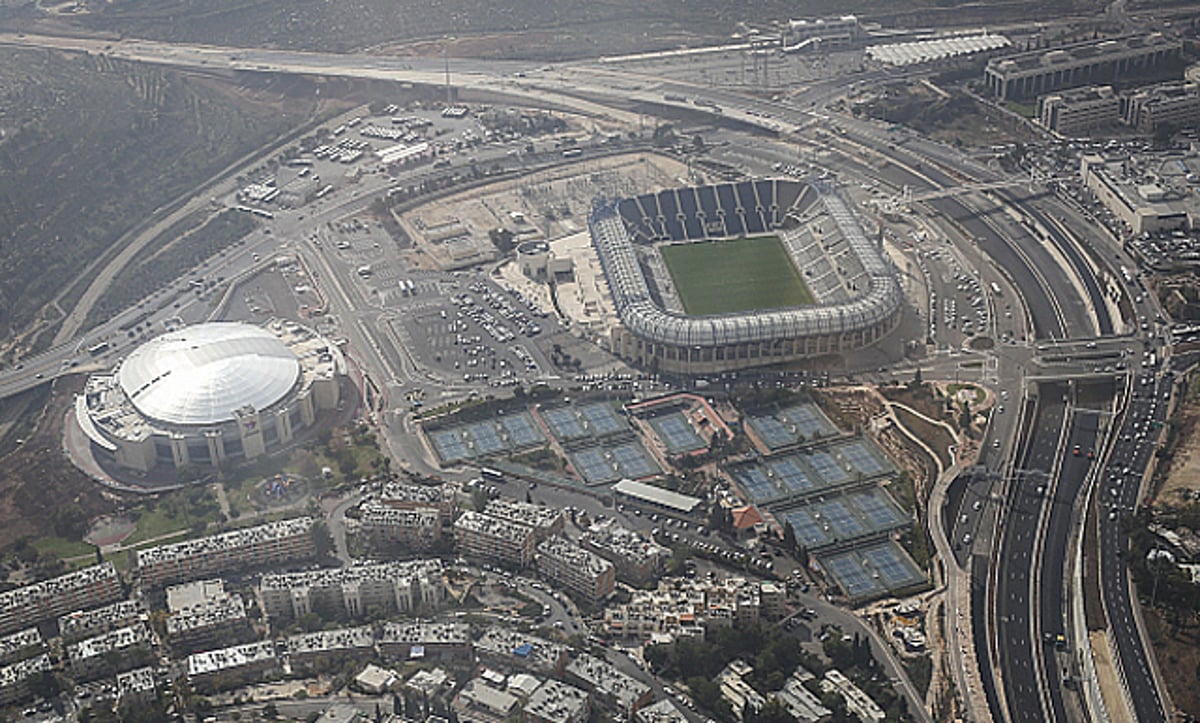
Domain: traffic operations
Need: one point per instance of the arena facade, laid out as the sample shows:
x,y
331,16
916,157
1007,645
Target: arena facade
x,y
857,297
209,393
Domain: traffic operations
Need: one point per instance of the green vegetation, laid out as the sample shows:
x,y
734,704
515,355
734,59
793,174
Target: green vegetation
x,y
920,672
728,276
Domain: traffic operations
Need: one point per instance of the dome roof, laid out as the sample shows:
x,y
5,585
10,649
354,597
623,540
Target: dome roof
x,y
202,374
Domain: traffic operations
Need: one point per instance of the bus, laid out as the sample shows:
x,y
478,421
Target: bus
x,y
98,349
491,475
995,288
572,153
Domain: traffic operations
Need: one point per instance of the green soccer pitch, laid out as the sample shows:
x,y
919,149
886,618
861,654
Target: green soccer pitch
x,y
722,277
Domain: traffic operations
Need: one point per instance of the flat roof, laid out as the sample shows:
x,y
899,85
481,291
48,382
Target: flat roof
x,y
657,495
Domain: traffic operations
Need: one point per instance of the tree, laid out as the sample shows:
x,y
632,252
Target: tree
x,y
789,536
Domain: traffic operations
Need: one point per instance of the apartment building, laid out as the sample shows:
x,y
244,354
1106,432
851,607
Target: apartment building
x,y
493,539
582,573
309,648
609,686
545,521
213,622
555,702
49,599
350,592
418,529
21,645
514,650
638,560
273,543
409,496
111,652
82,624
15,678
426,641
231,666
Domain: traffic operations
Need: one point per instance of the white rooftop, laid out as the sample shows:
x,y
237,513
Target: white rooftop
x,y
202,374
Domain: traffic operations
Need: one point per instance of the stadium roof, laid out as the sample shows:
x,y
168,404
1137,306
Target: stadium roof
x,y
204,373
656,495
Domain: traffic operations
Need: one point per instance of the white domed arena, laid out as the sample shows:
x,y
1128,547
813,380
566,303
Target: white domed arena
x,y
210,393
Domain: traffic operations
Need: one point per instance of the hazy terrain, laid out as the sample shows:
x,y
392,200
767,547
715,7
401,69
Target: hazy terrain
x,y
90,147
559,28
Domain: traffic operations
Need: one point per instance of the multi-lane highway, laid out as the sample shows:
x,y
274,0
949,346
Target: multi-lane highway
x,y
1117,497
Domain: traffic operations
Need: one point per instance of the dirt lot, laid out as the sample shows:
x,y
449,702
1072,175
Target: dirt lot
x,y
1180,475
41,493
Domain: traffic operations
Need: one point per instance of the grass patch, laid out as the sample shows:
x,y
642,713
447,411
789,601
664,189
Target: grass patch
x,y
62,548
723,277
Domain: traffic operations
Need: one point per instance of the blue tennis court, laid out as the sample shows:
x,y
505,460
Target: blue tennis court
x,y
521,430
594,467
791,425
873,571
485,437
677,433
826,467
896,569
633,461
879,509
809,420
791,476
772,432
812,532
449,446
843,524
864,458
755,483
848,573
563,423
602,419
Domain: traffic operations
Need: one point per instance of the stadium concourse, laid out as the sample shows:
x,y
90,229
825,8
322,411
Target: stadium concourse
x,y
856,298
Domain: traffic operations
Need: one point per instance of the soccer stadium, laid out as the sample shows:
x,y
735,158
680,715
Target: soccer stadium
x,y
740,275
209,393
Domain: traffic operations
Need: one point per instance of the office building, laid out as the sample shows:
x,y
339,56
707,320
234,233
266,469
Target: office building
x,y
1174,105
1079,111
1025,76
